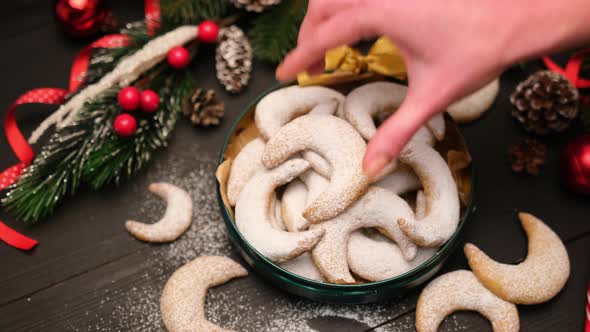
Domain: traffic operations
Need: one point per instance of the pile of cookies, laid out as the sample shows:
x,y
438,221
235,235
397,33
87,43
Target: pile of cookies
x,y
302,200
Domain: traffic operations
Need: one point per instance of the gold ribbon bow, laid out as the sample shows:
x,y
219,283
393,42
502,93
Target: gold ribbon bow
x,y
345,64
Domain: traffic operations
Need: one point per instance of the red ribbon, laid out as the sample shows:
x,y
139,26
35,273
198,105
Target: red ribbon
x,y
16,239
53,96
80,65
17,141
152,15
572,71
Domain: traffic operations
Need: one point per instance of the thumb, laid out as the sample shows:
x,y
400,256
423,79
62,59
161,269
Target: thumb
x,y
393,134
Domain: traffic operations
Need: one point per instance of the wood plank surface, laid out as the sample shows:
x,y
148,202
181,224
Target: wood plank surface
x,y
88,274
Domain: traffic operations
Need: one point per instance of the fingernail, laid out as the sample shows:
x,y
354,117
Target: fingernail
x,y
373,168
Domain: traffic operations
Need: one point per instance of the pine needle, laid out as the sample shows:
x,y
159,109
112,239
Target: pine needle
x,y
88,151
180,12
274,32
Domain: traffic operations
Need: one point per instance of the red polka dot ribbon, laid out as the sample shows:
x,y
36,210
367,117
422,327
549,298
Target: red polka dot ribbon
x,y
54,96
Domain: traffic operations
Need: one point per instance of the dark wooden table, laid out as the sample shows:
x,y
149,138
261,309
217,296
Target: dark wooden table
x,y
88,274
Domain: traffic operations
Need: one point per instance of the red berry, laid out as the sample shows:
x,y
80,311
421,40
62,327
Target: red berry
x,y
178,57
125,125
128,98
208,31
149,101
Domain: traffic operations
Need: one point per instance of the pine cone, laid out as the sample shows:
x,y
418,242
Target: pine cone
x,y
233,59
528,156
203,109
254,5
545,102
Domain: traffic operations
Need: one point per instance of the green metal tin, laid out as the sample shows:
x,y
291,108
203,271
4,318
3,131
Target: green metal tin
x,y
334,293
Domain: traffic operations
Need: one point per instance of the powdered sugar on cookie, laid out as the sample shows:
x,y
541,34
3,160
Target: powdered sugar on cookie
x,y
246,164
281,106
377,208
183,299
442,198
176,220
460,290
253,214
340,144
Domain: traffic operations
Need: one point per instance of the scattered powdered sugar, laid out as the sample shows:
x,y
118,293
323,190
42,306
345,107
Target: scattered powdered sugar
x,y
286,313
245,304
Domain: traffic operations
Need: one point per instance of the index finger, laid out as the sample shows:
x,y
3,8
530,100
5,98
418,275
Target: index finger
x,y
346,27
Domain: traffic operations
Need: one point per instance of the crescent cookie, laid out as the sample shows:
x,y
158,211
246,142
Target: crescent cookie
x,y
315,184
276,215
424,135
367,101
442,198
315,100
437,126
420,205
279,107
292,206
298,194
377,258
377,208
537,279
457,291
246,164
338,142
472,106
317,162
176,220
183,299
253,213
401,181
304,267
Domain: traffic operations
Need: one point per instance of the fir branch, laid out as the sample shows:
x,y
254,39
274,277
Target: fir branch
x,y
274,32
118,159
57,171
180,12
88,151
104,60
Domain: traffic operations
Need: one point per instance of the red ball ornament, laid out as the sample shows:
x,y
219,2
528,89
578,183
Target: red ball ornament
x,y
178,57
149,101
576,164
208,31
80,18
125,125
128,98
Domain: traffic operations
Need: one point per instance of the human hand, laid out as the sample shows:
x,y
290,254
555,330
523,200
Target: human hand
x,y
450,49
